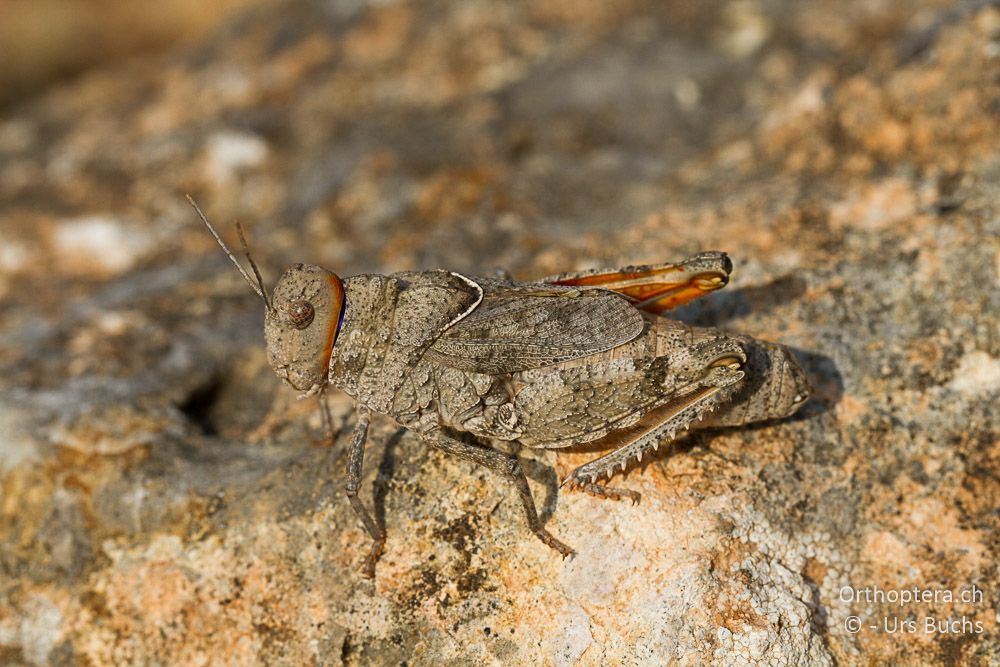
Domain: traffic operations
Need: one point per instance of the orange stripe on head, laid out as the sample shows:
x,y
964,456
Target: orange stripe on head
x,y
333,327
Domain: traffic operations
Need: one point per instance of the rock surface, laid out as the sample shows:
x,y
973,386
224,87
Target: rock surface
x,y
163,500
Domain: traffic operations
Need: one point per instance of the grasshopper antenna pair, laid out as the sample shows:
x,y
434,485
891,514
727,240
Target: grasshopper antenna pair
x,y
259,286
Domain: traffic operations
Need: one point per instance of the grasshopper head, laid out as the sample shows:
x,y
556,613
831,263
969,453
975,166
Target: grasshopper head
x,y
301,317
301,325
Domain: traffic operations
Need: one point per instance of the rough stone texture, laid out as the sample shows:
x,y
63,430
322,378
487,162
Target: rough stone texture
x,y
164,501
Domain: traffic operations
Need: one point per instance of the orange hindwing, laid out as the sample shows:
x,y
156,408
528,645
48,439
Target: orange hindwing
x,y
659,287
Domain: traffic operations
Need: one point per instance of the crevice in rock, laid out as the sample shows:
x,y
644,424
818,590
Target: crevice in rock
x,y
198,407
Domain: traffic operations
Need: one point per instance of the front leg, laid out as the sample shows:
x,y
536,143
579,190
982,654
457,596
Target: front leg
x,y
507,465
326,419
355,461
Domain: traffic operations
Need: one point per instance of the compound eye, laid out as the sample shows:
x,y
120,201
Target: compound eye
x,y
301,314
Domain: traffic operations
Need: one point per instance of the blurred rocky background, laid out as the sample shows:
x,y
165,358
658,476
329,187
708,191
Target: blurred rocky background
x,y
163,500
42,41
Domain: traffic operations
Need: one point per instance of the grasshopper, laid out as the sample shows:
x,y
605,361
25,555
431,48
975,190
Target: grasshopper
x,y
574,358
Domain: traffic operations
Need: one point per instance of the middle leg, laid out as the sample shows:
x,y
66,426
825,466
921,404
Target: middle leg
x,y
507,465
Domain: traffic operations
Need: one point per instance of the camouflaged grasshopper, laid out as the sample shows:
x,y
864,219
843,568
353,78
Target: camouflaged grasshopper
x,y
570,359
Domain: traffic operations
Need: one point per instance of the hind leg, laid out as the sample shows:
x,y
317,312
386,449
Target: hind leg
x,y
664,423
606,492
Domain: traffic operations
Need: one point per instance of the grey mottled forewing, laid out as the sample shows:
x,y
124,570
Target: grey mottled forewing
x,y
517,328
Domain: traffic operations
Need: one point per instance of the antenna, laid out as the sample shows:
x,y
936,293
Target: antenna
x,y
253,264
259,287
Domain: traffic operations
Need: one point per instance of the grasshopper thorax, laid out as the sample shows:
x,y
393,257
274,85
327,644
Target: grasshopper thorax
x,y
301,325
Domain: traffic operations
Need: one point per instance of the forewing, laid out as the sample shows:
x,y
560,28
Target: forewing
x,y
516,328
659,287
